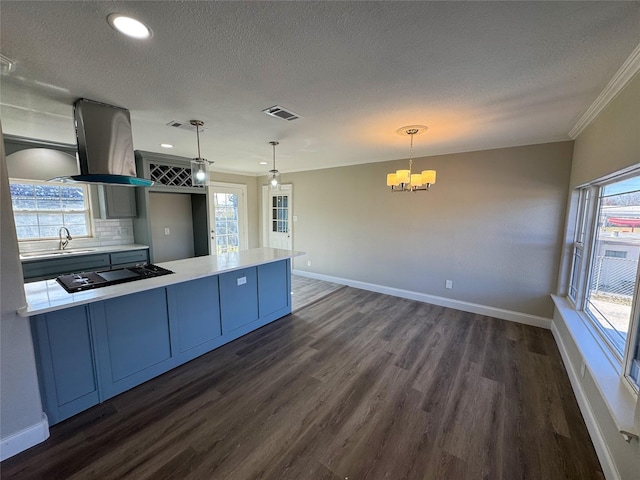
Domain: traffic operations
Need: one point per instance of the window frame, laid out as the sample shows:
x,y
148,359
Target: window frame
x,y
87,211
586,208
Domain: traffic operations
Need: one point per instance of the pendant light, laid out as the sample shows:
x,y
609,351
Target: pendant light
x,y
199,165
274,173
405,180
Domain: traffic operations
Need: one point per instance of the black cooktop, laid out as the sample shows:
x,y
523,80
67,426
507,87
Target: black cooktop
x,y
76,282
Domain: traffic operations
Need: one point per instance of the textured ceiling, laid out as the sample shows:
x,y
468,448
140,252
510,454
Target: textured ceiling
x,y
479,74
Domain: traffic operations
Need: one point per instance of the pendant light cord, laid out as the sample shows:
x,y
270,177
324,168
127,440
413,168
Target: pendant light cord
x,y
198,139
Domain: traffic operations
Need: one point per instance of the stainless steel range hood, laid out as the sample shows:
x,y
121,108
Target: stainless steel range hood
x,y
105,146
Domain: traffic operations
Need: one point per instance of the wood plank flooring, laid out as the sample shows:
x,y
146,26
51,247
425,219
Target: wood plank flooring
x,y
305,291
357,385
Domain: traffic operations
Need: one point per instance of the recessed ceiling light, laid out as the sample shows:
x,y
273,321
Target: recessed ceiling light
x,y
166,145
129,26
264,163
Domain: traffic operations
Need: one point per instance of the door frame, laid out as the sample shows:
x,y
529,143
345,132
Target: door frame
x,y
243,211
266,210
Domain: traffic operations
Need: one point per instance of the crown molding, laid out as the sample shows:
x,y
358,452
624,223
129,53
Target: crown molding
x,y
629,68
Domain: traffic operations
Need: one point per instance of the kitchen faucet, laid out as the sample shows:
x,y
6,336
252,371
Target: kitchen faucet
x,y
68,237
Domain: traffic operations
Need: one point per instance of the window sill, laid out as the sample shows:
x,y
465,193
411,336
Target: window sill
x,y
603,367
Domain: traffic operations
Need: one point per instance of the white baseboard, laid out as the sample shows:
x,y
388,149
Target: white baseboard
x,y
27,438
503,314
599,443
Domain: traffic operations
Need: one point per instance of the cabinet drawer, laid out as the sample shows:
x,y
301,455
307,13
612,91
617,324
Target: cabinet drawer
x,y
60,266
133,256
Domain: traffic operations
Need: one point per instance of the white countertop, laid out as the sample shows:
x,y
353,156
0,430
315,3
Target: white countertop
x,y
50,254
48,296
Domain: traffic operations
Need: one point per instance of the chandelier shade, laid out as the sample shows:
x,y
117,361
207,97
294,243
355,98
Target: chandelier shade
x,y
406,180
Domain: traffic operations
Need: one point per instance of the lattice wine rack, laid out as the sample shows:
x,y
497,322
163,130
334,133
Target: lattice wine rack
x,y
171,175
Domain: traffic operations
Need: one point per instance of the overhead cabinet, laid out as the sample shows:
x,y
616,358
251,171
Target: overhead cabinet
x,y
117,201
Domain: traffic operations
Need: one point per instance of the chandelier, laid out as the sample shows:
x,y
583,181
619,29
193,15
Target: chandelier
x,y
405,180
199,165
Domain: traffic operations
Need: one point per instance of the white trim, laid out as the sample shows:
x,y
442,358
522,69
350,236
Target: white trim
x,y
265,219
503,314
605,370
629,68
599,443
27,438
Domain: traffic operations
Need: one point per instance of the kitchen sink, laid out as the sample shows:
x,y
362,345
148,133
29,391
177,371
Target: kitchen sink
x,y
55,253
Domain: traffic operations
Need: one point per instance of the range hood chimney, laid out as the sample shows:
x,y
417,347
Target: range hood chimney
x,y
105,146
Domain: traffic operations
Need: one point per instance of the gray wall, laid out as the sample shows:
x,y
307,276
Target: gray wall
x,y
172,211
609,144
20,406
612,142
41,164
492,223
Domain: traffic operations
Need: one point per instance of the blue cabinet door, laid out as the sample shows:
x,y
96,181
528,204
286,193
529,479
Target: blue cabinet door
x,y
238,298
194,312
133,341
274,291
66,366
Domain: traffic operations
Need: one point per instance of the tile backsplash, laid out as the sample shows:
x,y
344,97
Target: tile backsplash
x,y
117,231
106,233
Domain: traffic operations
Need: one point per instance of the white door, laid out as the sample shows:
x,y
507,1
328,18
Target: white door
x,y
228,209
279,205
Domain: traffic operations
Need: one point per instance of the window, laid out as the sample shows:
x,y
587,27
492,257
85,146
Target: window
x,y
226,218
604,269
228,207
280,214
41,208
578,243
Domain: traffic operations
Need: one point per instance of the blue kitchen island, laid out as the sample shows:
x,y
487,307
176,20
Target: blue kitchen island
x,y
95,344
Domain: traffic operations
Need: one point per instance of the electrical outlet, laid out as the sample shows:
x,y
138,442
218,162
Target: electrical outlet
x,y
449,284
308,263
167,231
242,280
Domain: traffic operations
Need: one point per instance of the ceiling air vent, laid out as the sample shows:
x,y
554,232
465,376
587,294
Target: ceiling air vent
x,y
281,112
184,126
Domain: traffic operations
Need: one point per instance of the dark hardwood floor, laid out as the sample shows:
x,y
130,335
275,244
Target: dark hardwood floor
x,y
357,385
305,291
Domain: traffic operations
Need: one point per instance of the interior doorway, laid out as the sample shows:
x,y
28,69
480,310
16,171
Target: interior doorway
x,y
277,228
228,210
